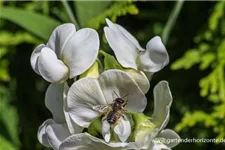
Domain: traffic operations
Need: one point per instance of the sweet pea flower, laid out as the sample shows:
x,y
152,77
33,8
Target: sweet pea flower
x,y
152,133
67,54
56,134
53,131
88,98
130,54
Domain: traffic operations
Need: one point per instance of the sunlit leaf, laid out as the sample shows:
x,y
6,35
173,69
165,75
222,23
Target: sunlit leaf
x,y
189,59
87,10
6,144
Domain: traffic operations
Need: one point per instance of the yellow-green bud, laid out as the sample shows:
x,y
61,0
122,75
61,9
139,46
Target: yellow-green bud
x,y
92,71
143,126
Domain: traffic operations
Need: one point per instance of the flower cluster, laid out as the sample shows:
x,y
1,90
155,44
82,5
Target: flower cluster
x,y
103,107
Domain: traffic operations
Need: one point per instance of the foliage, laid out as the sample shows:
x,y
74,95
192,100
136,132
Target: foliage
x,y
209,54
85,10
118,9
40,25
8,121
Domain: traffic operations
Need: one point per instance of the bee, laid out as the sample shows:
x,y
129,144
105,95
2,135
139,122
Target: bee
x,y
116,112
113,111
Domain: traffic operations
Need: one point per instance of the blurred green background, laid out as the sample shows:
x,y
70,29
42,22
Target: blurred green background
x,y
193,32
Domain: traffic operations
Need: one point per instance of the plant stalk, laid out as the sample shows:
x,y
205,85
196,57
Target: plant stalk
x,y
171,21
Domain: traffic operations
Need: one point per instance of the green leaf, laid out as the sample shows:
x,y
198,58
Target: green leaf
x,y
8,117
117,9
18,38
6,144
87,10
207,60
109,61
190,58
40,25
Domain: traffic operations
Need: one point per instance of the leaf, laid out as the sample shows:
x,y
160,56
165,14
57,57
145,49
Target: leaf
x,y
190,58
87,10
18,38
40,25
207,60
6,144
109,61
8,117
117,9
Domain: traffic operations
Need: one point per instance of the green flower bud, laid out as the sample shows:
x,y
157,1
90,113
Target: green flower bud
x,y
92,71
143,126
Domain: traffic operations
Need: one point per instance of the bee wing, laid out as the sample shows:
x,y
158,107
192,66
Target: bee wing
x,y
101,108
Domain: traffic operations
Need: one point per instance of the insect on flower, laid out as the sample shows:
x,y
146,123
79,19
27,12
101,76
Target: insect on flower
x,y
113,111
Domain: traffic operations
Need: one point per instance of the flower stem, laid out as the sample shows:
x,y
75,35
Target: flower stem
x,y
171,21
70,13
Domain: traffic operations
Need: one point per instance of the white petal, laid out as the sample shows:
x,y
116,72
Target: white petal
x,y
56,133
83,95
155,57
42,135
106,130
80,51
125,51
72,126
34,57
116,81
162,103
54,101
159,147
144,141
60,36
130,37
171,136
111,25
140,79
84,141
123,129
51,68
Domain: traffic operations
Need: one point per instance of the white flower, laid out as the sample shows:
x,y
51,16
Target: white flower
x,y
131,55
67,54
160,118
53,131
88,98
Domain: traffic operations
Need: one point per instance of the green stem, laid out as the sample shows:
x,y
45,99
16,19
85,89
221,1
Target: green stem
x,y
70,13
171,21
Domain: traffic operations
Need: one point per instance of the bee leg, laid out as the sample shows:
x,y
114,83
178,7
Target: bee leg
x,y
125,103
104,118
101,108
124,116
